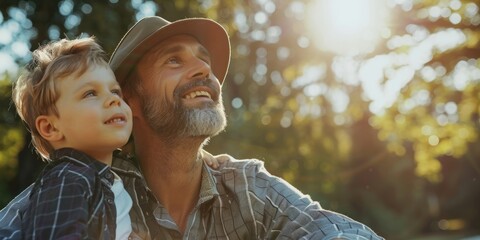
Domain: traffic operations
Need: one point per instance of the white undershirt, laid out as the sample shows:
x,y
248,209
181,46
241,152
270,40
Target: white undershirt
x,y
123,204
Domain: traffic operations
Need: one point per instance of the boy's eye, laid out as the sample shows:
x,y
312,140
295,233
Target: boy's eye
x,y
89,93
117,92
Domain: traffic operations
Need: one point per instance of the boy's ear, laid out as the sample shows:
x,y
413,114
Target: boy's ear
x,y
46,128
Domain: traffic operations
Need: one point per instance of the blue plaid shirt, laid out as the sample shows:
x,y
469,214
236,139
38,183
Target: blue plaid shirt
x,y
72,199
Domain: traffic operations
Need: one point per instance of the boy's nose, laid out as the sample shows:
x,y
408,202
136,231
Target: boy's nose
x,y
113,100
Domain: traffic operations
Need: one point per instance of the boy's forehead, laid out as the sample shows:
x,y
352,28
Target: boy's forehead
x,y
92,71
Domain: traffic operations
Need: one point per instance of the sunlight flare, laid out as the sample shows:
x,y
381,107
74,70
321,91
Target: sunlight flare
x,y
347,27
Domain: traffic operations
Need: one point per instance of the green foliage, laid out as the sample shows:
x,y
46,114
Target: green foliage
x,y
436,114
11,137
354,161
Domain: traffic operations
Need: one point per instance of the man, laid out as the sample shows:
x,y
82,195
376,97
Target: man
x,y
171,75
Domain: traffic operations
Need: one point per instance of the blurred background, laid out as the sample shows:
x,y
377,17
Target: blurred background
x,y
370,106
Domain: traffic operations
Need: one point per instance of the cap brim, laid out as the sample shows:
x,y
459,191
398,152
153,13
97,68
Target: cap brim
x,y
209,33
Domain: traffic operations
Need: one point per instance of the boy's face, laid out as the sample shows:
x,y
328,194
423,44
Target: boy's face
x,y
93,117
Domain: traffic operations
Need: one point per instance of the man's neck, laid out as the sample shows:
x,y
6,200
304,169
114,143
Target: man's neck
x,y
173,172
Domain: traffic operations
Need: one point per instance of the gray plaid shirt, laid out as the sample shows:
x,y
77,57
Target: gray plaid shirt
x,y
240,200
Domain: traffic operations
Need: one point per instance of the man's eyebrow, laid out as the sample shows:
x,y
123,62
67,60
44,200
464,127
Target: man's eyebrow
x,y
178,48
170,50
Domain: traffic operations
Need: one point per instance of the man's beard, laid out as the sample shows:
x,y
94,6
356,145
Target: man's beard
x,y
172,120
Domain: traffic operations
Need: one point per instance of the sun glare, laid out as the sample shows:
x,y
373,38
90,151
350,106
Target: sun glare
x,y
347,27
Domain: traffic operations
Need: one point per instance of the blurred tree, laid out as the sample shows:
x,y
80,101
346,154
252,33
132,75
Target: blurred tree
x,y
437,109
383,157
432,62
11,139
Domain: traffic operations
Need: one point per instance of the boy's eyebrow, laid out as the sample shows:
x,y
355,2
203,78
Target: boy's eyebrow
x,y
94,83
84,85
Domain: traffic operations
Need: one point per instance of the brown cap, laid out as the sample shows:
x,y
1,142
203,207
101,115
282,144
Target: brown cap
x,y
150,31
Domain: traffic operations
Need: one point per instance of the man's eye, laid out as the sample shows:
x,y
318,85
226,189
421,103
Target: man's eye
x,y
173,60
206,60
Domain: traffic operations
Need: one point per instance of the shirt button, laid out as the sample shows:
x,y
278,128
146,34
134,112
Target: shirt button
x,y
109,200
108,175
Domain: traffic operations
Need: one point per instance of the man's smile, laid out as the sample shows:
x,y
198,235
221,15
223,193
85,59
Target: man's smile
x,y
196,94
204,92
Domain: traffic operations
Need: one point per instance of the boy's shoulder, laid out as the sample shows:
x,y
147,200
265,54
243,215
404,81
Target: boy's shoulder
x,y
74,165
68,167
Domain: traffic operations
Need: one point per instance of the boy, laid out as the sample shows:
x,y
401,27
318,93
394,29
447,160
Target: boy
x,y
72,104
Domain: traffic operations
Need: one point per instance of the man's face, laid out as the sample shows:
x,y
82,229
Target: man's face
x,y
179,95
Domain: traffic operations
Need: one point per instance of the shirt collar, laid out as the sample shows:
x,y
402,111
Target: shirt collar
x,y
125,165
208,189
81,158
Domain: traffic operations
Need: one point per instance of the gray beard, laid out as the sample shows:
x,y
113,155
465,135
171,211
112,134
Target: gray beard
x,y
173,120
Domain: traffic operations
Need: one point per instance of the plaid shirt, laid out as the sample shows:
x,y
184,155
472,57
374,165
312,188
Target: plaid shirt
x,y
12,215
71,199
240,200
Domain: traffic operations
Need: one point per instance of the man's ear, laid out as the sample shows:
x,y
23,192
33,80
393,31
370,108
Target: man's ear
x,y
45,126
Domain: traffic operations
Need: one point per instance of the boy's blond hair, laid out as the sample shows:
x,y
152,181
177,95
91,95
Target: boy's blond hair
x,y
34,93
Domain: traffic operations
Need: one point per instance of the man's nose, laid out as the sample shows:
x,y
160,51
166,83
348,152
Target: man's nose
x,y
199,68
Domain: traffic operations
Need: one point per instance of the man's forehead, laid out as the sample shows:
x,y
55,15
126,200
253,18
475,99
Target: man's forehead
x,y
178,43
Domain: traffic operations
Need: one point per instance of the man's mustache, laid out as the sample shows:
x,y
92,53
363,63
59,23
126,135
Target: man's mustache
x,y
181,90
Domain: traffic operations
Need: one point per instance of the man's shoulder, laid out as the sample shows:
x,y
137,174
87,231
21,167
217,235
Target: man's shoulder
x,y
248,171
10,215
229,163
251,172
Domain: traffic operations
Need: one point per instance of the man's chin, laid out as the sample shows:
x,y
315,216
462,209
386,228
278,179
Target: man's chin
x,y
203,132
198,103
